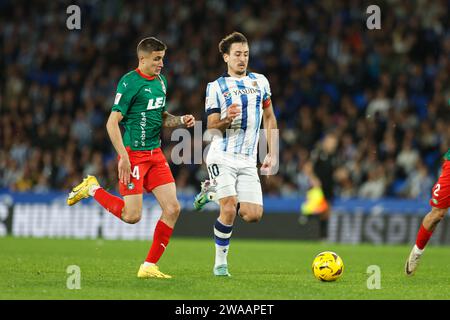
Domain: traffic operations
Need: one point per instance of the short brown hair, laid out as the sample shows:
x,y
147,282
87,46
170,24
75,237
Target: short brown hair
x,y
150,44
225,43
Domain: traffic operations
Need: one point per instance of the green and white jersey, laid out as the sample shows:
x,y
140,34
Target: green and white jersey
x,y
447,155
141,100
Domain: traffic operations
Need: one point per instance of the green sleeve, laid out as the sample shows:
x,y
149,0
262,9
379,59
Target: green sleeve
x,y
124,96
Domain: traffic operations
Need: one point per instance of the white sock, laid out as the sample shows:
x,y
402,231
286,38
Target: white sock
x,y
417,250
92,190
222,235
221,255
146,264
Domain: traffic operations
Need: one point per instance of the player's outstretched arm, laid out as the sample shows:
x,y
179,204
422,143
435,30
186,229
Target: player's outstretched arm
x,y
124,166
171,121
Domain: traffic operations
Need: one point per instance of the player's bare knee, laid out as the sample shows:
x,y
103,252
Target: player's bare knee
x,y
131,219
132,215
173,210
251,215
438,214
250,218
256,217
229,208
176,209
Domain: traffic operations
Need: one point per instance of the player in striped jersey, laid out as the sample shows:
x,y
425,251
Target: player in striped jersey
x,y
236,104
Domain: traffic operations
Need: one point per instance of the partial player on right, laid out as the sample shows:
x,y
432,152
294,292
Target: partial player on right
x,y
440,202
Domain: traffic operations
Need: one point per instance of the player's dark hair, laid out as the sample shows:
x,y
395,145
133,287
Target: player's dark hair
x,y
225,43
150,44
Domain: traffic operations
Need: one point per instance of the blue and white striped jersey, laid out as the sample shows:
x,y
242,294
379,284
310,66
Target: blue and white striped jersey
x,y
249,93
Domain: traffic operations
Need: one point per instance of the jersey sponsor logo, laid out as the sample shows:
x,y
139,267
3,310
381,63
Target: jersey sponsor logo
x,y
125,84
143,123
148,90
117,98
239,92
246,91
156,103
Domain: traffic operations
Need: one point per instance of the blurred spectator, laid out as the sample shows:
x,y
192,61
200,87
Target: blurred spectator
x,y
345,187
375,186
408,157
81,130
379,105
419,183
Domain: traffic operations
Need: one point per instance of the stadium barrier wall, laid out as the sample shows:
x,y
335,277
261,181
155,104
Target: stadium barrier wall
x,y
352,221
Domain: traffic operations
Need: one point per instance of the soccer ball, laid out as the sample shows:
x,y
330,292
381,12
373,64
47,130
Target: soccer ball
x,y
327,266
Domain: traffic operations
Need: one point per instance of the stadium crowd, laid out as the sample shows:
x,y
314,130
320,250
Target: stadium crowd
x,y
384,94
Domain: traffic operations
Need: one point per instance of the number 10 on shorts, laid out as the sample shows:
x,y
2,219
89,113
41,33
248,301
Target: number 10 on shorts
x,y
213,170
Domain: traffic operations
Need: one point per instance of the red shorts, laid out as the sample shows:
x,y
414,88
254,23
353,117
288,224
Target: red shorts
x,y
440,195
149,169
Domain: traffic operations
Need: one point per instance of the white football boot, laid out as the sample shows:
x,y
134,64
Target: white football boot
x,y
413,261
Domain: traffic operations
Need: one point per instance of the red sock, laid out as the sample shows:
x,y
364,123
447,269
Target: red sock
x,y
422,237
160,241
110,202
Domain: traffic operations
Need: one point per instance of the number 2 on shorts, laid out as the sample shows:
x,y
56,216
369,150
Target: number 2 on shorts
x,y
436,190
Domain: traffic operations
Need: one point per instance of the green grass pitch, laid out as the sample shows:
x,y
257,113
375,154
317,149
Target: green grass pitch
x,y
261,269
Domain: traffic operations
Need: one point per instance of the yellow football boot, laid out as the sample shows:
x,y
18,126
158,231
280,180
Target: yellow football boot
x,y
81,191
151,272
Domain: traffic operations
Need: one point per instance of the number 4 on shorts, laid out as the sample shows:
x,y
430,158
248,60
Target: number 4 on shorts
x,y
135,173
